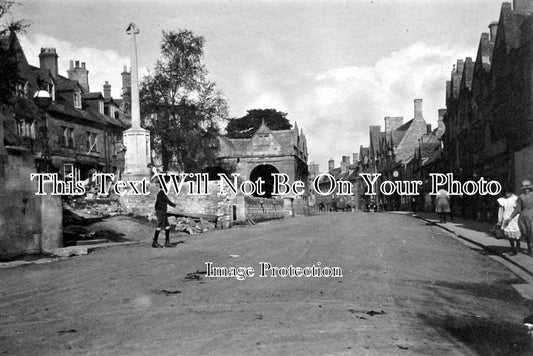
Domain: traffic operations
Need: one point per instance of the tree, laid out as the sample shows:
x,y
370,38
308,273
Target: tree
x,y
246,126
8,59
181,108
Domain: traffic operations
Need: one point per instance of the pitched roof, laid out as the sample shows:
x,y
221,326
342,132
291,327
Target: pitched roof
x,y
509,26
468,74
405,126
484,53
65,84
92,96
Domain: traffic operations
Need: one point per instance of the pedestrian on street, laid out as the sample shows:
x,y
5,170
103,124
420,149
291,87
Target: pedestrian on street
x,y
442,204
511,231
524,207
161,213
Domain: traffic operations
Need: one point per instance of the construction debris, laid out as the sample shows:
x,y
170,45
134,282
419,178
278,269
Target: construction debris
x,y
193,226
95,207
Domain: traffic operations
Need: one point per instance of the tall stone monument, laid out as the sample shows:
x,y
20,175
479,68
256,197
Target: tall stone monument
x,y
136,139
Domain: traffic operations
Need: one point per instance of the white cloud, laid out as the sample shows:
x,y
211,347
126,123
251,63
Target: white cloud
x,y
102,64
342,102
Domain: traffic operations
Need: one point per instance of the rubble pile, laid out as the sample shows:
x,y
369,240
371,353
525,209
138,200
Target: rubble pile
x,y
191,225
95,207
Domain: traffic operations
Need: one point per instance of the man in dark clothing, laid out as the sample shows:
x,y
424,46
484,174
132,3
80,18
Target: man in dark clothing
x,y
162,221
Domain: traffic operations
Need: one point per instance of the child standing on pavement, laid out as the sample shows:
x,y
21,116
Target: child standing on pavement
x,y
442,204
510,230
162,221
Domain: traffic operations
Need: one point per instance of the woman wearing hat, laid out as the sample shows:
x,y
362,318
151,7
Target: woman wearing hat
x,y
524,207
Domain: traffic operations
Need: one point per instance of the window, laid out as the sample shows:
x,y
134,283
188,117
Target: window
x,y
90,142
50,88
101,106
25,129
77,100
68,137
70,172
19,90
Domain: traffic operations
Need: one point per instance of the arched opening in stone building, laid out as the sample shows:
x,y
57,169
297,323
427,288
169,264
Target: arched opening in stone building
x,y
264,171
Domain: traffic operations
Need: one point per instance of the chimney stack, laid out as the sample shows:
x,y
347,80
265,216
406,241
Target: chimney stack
x,y
440,123
392,123
374,128
48,60
107,90
344,167
346,159
81,74
126,81
331,164
493,28
418,108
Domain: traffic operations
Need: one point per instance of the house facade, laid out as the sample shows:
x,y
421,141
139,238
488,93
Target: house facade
x,y
489,125
84,128
389,154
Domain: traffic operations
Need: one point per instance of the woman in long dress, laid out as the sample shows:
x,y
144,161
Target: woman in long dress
x,y
524,207
511,231
442,204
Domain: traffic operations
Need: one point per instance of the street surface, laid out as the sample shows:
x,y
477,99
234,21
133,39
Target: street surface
x,y
407,288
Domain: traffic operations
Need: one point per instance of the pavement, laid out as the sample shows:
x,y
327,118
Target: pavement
x,y
477,236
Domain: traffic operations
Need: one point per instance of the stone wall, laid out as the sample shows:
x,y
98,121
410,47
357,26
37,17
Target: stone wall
x,y
29,224
263,209
215,203
236,208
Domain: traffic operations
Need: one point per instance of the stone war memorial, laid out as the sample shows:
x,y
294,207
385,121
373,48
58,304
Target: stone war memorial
x,y
267,152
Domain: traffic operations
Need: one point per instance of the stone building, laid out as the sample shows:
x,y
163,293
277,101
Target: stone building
x,y
489,125
427,159
80,137
390,152
339,199
267,152
84,128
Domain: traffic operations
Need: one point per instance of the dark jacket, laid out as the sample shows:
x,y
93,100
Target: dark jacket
x,y
162,201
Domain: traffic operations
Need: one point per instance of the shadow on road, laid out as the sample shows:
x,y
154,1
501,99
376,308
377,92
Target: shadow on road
x,y
485,336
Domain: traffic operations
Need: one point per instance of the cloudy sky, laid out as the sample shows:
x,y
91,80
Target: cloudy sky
x,y
334,66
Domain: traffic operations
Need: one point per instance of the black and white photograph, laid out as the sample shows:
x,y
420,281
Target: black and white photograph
x,y
266,177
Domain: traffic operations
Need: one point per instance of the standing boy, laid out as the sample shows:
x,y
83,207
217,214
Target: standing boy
x,y
162,221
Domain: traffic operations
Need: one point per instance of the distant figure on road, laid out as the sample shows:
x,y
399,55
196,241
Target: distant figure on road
x,y
162,221
442,204
414,203
511,231
524,207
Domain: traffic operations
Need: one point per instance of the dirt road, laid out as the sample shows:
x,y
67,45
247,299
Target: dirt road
x,y
406,288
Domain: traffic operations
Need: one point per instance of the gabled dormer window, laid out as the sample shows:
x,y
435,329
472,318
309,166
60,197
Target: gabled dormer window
x,y
101,106
77,100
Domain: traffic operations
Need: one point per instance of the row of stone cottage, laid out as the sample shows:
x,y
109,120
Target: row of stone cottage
x,y
80,131
84,127
486,129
